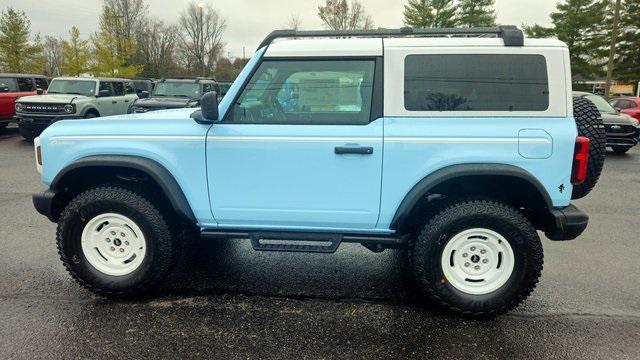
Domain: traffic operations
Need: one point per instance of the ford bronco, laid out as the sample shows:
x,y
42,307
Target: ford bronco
x,y
70,98
12,87
453,147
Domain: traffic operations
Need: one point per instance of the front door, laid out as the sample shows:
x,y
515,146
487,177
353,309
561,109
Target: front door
x,y
301,149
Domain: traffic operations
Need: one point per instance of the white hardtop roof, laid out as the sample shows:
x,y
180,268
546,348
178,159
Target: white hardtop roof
x,y
373,46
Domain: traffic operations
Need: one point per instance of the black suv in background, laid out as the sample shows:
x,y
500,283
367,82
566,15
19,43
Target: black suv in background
x,y
622,130
175,93
143,86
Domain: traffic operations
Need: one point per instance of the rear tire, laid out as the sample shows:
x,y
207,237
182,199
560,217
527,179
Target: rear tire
x,y
477,258
90,115
589,123
115,242
620,149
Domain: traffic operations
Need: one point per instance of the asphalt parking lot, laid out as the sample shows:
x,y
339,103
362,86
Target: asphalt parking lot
x,y
227,301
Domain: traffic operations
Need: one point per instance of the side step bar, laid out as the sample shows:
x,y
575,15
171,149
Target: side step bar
x,y
307,241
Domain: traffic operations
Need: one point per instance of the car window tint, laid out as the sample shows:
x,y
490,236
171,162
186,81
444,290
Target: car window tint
x,y
129,88
25,84
626,104
206,88
476,82
41,83
105,86
8,84
300,92
118,88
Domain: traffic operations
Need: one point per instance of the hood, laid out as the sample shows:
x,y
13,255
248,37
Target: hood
x,y
618,119
164,102
51,99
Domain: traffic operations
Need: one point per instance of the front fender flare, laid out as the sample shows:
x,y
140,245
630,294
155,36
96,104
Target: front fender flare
x,y
153,169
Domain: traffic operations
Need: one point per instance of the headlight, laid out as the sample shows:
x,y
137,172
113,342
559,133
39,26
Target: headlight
x,y
18,107
68,109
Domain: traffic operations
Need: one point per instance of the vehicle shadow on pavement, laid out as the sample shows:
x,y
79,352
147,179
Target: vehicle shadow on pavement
x,y
353,273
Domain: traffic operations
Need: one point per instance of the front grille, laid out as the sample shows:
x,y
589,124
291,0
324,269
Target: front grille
x,y
620,129
42,108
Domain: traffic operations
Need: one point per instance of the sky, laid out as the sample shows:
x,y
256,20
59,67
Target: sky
x,y
248,21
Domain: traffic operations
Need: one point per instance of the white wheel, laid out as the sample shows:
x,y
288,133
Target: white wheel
x,y
477,261
113,244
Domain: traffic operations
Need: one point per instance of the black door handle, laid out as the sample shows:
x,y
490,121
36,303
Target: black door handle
x,y
114,102
362,150
126,101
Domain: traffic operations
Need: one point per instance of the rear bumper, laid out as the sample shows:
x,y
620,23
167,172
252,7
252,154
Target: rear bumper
x,y
43,202
569,221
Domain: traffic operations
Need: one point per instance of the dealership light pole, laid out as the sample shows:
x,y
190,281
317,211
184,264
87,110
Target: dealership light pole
x,y
612,49
201,40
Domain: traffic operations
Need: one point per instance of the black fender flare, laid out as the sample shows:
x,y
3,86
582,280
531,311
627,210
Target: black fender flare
x,y
461,170
153,169
87,109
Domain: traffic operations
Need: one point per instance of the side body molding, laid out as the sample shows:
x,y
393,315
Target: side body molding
x,y
461,170
153,169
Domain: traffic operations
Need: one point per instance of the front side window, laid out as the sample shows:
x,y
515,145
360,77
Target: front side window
x,y
41,83
316,92
118,88
104,87
476,82
129,88
78,87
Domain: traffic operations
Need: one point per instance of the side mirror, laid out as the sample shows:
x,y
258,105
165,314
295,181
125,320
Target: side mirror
x,y
617,109
39,91
208,112
104,93
143,94
4,89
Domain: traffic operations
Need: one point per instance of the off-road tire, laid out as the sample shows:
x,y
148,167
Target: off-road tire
x,y
426,250
27,134
620,149
589,123
161,237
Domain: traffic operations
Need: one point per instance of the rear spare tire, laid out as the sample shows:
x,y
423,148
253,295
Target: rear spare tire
x,y
589,123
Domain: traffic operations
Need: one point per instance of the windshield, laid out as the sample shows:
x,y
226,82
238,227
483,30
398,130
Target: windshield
x,y
78,87
601,104
181,89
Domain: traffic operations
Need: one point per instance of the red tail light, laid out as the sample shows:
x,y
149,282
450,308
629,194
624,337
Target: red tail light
x,y
580,160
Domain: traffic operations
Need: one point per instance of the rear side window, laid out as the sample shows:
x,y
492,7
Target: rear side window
x,y
476,82
626,104
25,84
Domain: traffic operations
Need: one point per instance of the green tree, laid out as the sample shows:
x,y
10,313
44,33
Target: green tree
x,y
75,54
111,50
430,13
538,31
627,66
582,25
18,53
475,13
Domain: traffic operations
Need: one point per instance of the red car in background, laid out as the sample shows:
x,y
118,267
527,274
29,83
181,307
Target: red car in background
x,y
13,86
627,105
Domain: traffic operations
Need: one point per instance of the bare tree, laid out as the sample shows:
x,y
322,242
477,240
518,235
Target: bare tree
x,y
294,22
131,14
342,15
201,37
53,56
157,48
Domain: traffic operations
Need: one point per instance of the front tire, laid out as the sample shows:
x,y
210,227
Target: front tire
x,y
477,258
115,242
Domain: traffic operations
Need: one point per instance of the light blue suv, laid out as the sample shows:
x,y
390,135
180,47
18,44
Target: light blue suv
x,y
452,147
